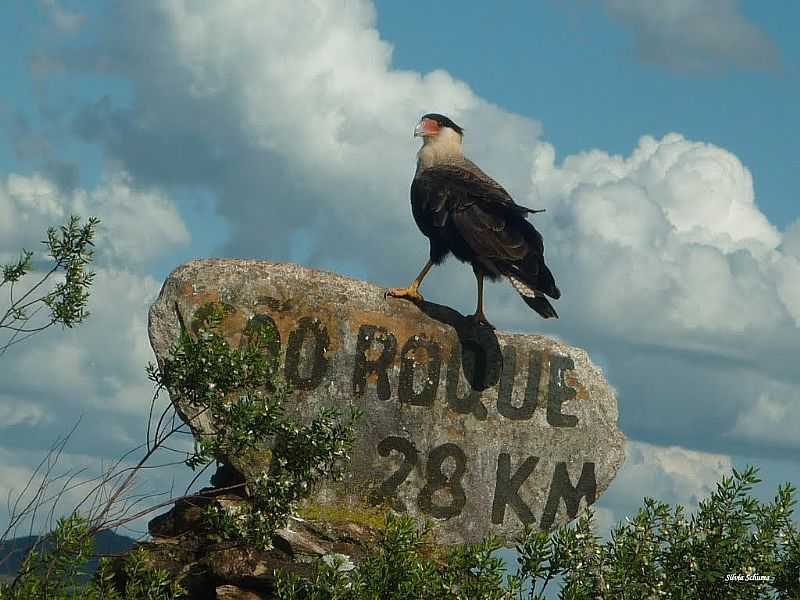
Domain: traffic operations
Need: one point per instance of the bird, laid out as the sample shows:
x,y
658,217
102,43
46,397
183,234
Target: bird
x,y
464,212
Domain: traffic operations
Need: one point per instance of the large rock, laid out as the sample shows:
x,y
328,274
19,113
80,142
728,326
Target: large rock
x,y
478,431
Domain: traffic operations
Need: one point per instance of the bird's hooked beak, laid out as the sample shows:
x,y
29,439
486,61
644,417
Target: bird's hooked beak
x,y
425,128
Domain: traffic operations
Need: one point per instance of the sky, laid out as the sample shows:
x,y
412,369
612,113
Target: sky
x,y
660,137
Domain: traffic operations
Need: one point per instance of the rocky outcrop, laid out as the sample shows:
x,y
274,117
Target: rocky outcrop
x,y
477,430
209,567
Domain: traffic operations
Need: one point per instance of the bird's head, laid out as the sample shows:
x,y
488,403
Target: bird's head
x,y
434,126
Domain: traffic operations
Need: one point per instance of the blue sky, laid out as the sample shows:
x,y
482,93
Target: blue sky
x,y
227,129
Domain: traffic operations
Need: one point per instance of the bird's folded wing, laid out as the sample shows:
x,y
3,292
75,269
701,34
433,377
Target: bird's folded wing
x,y
461,187
485,215
466,183
491,235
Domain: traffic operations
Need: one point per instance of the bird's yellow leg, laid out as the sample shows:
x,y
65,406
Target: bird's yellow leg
x,y
412,291
479,317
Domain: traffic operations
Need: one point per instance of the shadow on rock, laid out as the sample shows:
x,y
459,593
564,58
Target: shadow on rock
x,y
481,357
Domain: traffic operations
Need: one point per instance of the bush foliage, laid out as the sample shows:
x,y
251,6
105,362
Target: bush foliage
x,y
71,248
243,394
733,547
60,572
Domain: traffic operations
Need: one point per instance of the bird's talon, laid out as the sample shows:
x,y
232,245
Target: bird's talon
x,y
480,320
407,293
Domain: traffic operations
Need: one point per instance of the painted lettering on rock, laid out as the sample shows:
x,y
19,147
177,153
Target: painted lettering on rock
x,y
442,494
559,392
506,490
562,488
369,336
312,336
504,394
409,366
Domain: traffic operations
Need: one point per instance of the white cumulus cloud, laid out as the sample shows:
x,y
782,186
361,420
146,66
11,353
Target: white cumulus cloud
x,y
137,224
773,415
668,241
670,474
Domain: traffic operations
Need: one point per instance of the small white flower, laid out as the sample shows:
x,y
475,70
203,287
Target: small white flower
x,y
340,562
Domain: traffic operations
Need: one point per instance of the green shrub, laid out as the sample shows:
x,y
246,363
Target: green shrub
x,y
659,553
59,571
71,248
242,392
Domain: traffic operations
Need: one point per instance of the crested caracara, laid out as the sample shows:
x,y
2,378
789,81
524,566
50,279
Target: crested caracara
x,y
463,211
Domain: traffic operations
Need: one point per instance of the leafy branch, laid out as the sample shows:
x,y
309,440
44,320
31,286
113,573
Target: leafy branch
x,y
71,248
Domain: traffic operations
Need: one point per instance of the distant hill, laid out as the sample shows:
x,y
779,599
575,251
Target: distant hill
x,y
106,542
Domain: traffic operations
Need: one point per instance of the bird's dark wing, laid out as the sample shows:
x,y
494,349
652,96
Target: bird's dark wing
x,y
475,218
483,212
503,242
493,232
465,183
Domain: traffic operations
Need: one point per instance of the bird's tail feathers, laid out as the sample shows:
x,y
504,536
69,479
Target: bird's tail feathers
x,y
535,275
548,283
534,299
